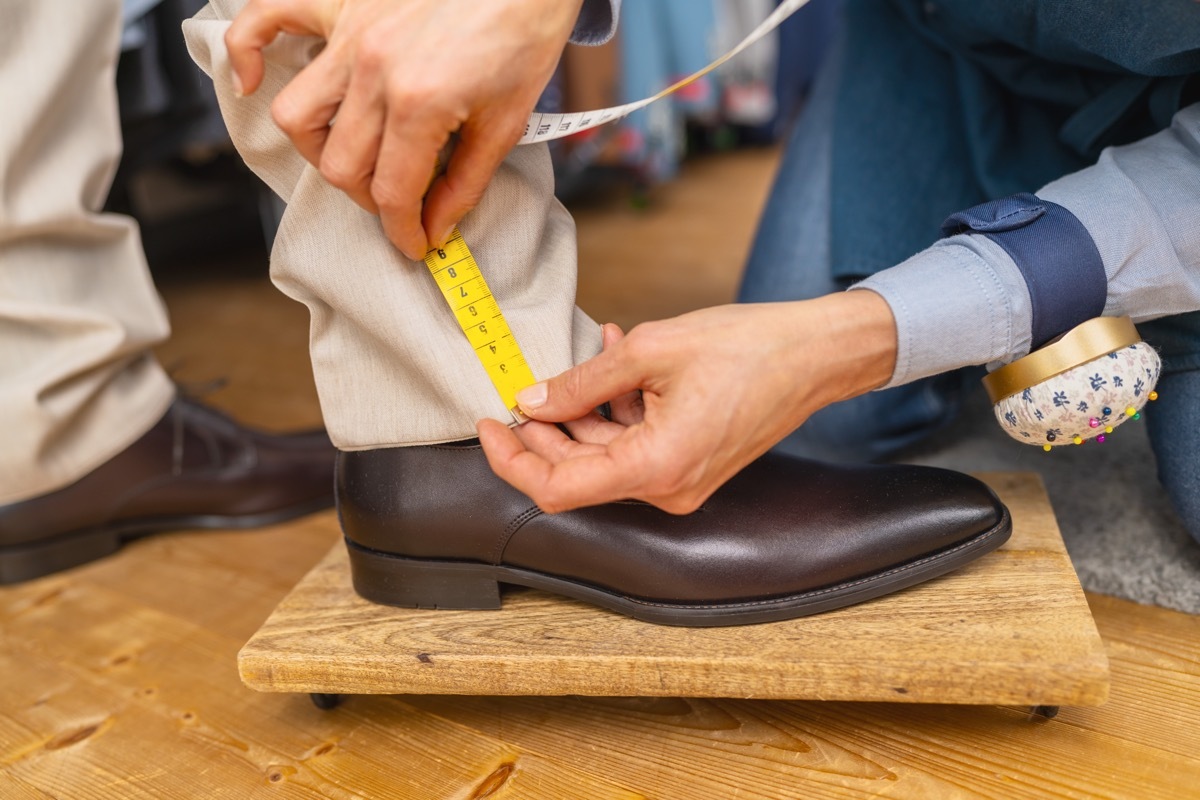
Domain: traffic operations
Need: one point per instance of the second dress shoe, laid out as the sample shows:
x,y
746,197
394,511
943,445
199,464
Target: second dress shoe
x,y
196,468
433,527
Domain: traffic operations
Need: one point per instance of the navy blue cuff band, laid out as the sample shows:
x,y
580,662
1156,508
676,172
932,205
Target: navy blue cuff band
x,y
1055,253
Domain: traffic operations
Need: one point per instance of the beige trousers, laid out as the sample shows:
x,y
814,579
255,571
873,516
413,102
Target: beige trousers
x,y
78,312
392,366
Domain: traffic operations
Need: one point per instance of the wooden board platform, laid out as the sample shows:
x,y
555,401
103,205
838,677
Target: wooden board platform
x,y
1012,628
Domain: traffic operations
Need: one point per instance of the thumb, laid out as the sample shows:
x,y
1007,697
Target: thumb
x,y
581,389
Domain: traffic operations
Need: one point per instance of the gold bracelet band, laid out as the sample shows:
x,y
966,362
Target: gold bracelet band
x,y
1081,344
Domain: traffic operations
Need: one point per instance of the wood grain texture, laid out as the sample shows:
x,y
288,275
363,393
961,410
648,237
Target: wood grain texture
x,y
13,789
1013,627
97,681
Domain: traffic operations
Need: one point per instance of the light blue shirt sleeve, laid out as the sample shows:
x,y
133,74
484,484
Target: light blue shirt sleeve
x,y
597,21
134,34
963,301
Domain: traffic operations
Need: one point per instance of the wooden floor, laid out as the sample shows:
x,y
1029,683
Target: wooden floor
x,y
119,679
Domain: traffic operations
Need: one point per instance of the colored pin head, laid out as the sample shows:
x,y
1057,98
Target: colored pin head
x,y
1070,389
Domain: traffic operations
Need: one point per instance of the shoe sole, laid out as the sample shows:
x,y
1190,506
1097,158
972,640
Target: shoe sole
x,y
25,562
393,580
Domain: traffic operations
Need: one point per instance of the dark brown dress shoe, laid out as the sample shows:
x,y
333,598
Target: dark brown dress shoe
x,y
433,527
196,468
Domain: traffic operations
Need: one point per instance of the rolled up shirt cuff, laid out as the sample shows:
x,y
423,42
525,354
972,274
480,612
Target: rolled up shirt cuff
x,y
597,22
959,303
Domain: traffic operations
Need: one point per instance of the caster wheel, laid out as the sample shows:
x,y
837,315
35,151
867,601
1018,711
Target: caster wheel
x,y
326,702
1045,712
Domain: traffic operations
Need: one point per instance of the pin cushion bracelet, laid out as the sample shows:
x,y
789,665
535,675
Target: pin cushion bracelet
x,y
1080,386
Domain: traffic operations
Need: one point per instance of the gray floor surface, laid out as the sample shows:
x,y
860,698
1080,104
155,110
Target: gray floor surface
x,y
1120,530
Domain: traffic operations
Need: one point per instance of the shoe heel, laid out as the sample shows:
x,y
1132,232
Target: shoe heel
x,y
410,583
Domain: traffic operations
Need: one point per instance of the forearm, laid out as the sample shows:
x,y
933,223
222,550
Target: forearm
x,y
963,301
856,333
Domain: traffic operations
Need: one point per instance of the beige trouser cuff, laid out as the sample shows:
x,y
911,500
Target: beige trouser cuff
x,y
391,365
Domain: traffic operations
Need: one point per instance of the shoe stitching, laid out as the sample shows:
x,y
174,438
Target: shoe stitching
x,y
515,525
818,592
512,527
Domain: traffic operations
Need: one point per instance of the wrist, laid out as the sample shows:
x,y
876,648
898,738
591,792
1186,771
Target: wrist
x,y
857,344
962,301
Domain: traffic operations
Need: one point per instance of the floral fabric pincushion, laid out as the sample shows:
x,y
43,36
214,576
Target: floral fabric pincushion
x,y
1067,392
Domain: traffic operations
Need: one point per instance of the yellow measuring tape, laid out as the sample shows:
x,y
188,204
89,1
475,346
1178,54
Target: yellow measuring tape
x,y
478,314
458,274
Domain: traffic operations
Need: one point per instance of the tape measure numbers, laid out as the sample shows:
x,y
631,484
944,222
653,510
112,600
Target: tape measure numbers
x,y
458,274
544,127
467,294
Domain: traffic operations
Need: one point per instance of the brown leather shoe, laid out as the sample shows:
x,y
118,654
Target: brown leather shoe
x,y
433,527
196,468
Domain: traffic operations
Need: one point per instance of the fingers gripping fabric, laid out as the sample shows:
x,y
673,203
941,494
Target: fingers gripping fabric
x,y
392,366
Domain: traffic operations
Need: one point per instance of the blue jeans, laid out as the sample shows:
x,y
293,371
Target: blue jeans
x,y
1173,421
790,260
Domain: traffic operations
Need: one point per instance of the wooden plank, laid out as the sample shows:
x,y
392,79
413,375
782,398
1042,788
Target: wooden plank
x,y
659,747
223,580
1142,744
1013,627
1155,658
12,788
675,747
141,699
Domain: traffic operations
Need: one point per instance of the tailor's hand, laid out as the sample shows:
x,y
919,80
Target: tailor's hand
x,y
719,387
401,76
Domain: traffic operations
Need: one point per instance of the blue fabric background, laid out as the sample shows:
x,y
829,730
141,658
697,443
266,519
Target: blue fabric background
x,y
1010,94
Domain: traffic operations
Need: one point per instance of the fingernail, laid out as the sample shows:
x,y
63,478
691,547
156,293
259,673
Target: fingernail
x,y
445,237
237,86
533,397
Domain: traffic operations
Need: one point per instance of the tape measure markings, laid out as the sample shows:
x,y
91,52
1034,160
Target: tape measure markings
x,y
544,127
480,318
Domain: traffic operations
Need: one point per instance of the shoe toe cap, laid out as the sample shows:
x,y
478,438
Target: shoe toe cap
x,y
844,523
